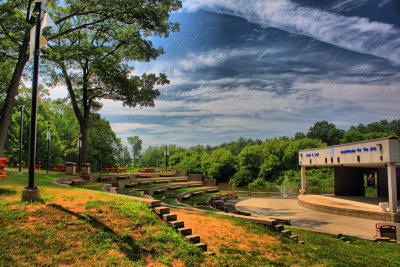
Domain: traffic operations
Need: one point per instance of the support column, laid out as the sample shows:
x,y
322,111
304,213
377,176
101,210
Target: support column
x,y
303,179
392,187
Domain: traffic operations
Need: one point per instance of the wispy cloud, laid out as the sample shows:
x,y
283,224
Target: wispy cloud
x,y
352,33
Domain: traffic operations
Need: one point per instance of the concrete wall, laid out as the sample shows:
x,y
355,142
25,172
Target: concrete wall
x,y
349,181
210,182
195,177
375,152
382,183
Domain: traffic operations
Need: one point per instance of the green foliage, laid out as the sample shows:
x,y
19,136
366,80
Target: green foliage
x,y
220,164
186,160
326,132
152,157
136,144
251,158
242,177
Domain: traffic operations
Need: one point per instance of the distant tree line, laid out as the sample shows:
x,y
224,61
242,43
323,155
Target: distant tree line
x,y
104,150
258,162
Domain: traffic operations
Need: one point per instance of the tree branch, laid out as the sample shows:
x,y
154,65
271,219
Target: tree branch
x,y
75,29
8,56
8,35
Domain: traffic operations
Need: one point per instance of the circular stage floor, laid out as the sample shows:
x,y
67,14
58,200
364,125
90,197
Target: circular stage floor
x,y
313,220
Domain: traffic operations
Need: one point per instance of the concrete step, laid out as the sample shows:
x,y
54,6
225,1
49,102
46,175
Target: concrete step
x,y
286,232
294,237
301,242
202,246
279,227
193,239
342,238
184,231
168,217
209,253
161,210
177,224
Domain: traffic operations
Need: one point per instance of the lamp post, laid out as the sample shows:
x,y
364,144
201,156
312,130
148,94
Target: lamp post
x,y
20,139
48,147
31,192
98,156
166,158
79,146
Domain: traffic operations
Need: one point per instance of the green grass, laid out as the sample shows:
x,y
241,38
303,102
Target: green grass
x,y
319,249
168,201
91,186
176,192
55,231
73,226
125,191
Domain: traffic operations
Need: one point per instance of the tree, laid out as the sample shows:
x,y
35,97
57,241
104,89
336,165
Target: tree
x,y
136,144
251,159
326,132
152,157
220,164
97,37
186,160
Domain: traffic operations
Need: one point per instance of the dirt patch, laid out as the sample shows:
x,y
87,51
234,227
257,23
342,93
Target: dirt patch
x,y
220,234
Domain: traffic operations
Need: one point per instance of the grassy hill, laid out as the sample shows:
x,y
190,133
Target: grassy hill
x,y
74,226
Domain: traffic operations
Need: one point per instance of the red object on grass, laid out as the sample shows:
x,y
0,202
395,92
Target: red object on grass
x,y
3,162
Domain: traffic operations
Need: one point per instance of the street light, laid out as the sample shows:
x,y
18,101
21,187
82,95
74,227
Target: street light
x,y
79,145
166,158
48,147
98,156
20,138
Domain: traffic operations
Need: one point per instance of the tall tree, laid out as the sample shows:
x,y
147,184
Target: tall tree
x,y
136,144
105,21
326,132
95,62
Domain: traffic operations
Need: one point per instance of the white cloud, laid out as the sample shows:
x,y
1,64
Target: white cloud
x,y
352,33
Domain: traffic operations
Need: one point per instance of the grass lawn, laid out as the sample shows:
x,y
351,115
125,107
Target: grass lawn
x,y
74,226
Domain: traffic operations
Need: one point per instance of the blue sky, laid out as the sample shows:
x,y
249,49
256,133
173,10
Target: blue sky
x,y
267,68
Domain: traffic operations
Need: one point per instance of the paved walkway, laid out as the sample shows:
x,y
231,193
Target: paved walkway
x,y
309,219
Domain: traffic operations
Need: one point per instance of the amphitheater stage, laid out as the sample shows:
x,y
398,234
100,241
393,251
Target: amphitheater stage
x,y
354,206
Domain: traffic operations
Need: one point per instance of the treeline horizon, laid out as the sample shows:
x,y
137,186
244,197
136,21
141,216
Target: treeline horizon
x,y
241,162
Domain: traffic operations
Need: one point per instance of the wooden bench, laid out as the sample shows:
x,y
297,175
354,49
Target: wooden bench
x,y
105,179
131,185
212,190
144,175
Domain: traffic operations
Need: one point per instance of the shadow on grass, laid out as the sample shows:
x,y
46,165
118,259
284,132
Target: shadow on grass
x,y
127,244
7,192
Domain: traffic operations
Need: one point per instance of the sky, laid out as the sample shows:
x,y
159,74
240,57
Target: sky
x,y
269,68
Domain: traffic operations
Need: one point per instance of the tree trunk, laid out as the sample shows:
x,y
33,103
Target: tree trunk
x,y
12,92
84,127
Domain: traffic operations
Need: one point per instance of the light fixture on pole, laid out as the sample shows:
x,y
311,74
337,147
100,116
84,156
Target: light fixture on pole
x,y
166,158
79,146
48,147
98,156
20,138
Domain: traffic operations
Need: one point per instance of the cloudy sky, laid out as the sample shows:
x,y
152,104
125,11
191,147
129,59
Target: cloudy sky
x,y
267,68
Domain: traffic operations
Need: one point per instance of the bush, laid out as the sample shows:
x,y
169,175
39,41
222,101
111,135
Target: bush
x,y
242,177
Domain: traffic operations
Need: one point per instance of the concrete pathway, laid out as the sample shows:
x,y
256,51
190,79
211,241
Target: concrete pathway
x,y
309,219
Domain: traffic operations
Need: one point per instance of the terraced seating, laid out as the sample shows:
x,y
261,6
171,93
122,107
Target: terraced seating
x,y
105,178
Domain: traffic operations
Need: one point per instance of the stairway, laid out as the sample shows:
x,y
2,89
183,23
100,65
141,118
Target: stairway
x,y
179,226
281,228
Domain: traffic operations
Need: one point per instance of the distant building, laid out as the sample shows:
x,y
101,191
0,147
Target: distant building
x,y
353,161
